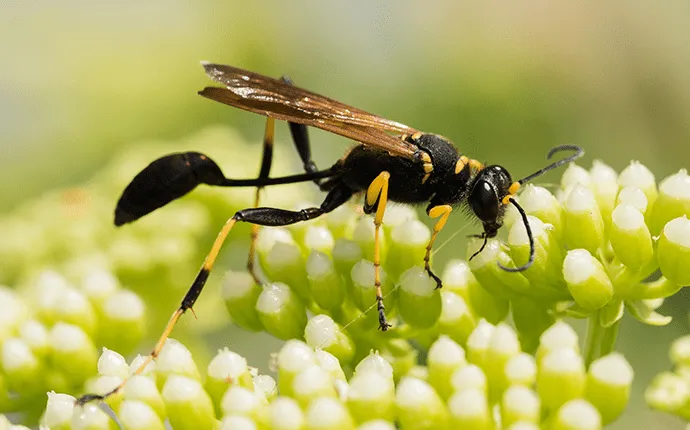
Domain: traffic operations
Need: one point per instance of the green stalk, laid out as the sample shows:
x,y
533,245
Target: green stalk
x,y
600,340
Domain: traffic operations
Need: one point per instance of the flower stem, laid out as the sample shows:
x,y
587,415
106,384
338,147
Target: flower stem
x,y
600,340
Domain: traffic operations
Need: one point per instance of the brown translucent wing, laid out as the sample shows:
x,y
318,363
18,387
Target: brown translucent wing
x,y
275,98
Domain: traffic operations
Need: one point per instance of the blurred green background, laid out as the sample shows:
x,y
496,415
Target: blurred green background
x,y
505,81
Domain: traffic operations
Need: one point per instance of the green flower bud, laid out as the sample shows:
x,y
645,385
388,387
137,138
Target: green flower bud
x,y
560,378
559,335
459,279
521,370
121,325
293,357
634,197
14,311
48,288
587,280
98,284
284,413
540,203
630,237
341,222
443,358
374,362
268,238
364,235
673,201
90,417
575,175
363,291
284,263
520,403
546,280
238,400
266,385
643,311
281,312
668,393
237,422
112,363
149,370
330,364
312,383
22,368
456,320
401,355
531,319
478,343
577,414
136,415
608,386
240,294
407,246
419,301
584,225
469,377
370,396
674,251
419,407
638,175
59,411
679,353
376,425
73,307
318,238
143,389
187,404
498,284
327,414
175,359
227,368
503,346
604,185
397,215
105,384
322,332
325,283
469,410
72,351
523,425
346,253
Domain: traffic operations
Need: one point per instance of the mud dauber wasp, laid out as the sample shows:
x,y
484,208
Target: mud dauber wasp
x,y
390,162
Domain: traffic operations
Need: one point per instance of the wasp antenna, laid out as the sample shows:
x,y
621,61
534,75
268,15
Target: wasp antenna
x,y
529,236
579,152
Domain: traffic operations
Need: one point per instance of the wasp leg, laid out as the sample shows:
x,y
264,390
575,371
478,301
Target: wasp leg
x,y
261,216
376,199
265,170
442,212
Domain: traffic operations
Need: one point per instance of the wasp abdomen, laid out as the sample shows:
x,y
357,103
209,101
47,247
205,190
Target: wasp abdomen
x,y
164,180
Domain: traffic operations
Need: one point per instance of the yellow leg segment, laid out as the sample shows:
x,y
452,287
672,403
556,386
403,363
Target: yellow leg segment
x,y
187,303
441,212
378,192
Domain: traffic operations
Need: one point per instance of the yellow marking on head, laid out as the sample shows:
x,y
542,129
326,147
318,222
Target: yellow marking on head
x,y
424,179
512,190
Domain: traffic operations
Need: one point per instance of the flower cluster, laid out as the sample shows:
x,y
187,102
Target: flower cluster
x,y
48,332
601,239
490,384
670,391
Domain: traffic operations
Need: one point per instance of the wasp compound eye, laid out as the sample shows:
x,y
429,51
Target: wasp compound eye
x,y
484,201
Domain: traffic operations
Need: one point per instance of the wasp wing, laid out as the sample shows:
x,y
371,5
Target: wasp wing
x,y
278,99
